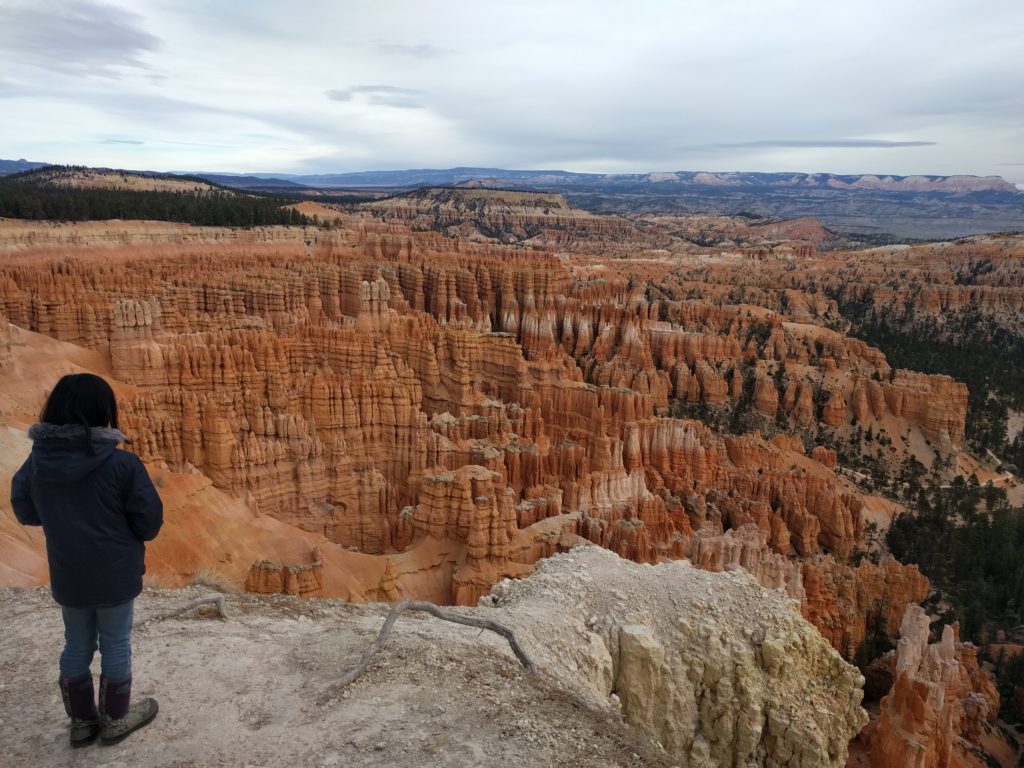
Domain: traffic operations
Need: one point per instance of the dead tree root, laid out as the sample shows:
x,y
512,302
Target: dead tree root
x,y
216,600
419,605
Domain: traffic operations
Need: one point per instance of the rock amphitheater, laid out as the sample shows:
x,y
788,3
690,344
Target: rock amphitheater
x,y
373,412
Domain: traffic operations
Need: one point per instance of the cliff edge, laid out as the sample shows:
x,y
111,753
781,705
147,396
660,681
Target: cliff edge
x,y
639,665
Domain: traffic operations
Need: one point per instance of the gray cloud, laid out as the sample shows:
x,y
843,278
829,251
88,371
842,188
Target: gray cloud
x,y
79,37
182,115
120,141
827,144
601,85
10,90
421,51
152,108
380,95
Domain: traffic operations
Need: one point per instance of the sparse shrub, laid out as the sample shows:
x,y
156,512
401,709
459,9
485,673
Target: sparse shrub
x,y
212,579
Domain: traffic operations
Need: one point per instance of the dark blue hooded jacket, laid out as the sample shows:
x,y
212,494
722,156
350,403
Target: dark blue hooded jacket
x,y
96,510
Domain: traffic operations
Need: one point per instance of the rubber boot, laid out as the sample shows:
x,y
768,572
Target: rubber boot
x,y
80,704
118,716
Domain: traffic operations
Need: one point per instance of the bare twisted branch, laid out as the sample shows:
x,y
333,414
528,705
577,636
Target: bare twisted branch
x,y
217,600
419,605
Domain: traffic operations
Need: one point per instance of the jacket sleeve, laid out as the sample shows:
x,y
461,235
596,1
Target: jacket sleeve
x,y
21,496
143,507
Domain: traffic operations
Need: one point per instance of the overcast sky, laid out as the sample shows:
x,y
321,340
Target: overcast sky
x,y
858,86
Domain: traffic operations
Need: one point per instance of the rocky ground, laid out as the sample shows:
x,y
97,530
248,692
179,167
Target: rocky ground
x,y
244,691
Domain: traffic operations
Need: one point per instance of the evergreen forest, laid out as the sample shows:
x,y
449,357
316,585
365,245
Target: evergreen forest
x,y
24,197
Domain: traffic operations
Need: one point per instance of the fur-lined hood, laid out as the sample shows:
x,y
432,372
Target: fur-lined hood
x,y
44,431
60,453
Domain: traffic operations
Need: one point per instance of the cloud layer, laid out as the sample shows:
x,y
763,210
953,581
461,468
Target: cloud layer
x,y
598,85
82,37
831,143
379,95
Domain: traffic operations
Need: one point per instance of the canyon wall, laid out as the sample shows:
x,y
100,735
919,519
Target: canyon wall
x,y
372,411
380,390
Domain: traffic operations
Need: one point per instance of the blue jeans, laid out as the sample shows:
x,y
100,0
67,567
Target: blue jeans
x,y
111,627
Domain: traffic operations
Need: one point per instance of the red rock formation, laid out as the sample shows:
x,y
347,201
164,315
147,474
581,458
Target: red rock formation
x,y
933,714
747,547
825,456
766,397
799,404
436,412
136,358
834,411
471,505
937,403
267,578
461,409
483,214
842,602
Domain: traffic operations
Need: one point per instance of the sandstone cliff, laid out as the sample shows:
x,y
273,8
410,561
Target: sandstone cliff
x,y
938,710
462,411
373,412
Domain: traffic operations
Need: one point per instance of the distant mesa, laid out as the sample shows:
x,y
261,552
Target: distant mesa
x,y
479,198
474,176
921,207
542,178
250,182
916,207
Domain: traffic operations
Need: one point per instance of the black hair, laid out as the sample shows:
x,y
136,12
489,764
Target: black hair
x,y
81,398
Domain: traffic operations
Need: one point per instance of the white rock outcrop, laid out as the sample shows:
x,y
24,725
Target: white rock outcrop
x,y
720,671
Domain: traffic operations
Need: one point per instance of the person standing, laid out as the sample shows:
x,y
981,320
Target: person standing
x,y
98,507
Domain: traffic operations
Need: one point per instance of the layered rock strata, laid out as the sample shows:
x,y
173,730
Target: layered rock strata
x,y
303,580
398,392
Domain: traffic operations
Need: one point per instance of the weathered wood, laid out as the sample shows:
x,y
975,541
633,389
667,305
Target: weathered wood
x,y
217,600
419,605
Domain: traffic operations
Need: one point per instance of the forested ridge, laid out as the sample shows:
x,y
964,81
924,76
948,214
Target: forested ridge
x,y
29,195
